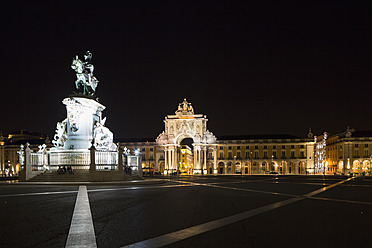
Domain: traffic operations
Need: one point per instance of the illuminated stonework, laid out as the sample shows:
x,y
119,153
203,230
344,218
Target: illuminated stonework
x,y
320,154
185,124
84,123
85,82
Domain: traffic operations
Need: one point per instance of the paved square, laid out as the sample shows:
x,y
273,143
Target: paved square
x,y
196,211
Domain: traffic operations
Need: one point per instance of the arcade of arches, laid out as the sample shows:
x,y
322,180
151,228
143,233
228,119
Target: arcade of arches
x,y
186,146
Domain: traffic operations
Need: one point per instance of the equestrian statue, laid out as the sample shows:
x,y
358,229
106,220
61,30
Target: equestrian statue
x,y
85,83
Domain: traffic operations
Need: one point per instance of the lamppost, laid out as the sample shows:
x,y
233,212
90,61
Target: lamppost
x,y
250,156
314,161
234,165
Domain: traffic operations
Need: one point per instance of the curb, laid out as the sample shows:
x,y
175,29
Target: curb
x,y
135,182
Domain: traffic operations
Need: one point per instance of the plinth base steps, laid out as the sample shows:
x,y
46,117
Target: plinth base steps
x,y
84,176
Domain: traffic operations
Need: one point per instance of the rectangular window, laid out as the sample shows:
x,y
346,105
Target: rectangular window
x,y
151,149
302,146
302,154
283,154
221,155
366,153
365,145
265,147
143,149
274,154
265,154
356,153
292,147
283,146
210,155
229,147
238,154
256,155
246,147
230,154
274,146
255,147
292,154
238,147
356,145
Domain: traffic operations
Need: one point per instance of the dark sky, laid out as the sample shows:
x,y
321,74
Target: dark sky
x,y
255,68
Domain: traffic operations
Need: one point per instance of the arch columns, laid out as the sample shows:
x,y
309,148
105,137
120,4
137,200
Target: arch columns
x,y
197,159
170,159
204,160
215,167
2,158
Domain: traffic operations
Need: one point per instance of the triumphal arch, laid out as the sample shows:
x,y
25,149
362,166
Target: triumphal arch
x,y
186,124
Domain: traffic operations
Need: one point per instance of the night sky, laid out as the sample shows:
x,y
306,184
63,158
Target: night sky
x,y
262,67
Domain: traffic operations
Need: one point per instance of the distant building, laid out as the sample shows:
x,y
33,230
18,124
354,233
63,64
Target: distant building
x,y
345,152
10,145
250,154
255,154
187,147
348,151
186,160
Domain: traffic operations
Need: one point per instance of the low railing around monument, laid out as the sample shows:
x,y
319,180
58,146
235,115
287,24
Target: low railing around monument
x,y
37,161
106,160
78,160
52,159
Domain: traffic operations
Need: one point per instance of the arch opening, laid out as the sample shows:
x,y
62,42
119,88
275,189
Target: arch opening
x,y
186,156
187,141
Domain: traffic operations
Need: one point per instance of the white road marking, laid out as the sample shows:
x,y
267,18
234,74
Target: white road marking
x,y
321,190
340,200
41,193
81,232
176,236
95,190
136,188
198,229
240,189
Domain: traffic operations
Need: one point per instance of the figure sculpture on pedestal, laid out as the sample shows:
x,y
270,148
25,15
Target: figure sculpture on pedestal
x,y
86,83
84,122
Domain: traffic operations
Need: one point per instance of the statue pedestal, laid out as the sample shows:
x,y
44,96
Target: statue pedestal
x,y
82,115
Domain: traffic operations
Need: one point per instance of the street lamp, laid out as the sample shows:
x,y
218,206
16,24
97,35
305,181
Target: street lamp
x,y
251,162
234,167
250,158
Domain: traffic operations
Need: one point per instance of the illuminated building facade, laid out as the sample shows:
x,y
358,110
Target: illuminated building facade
x,y
10,146
252,154
345,152
186,160
349,151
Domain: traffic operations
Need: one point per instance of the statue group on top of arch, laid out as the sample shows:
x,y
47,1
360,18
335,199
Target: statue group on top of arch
x,y
181,126
85,82
185,108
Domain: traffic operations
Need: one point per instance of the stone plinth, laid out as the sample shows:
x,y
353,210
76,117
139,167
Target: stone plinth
x,y
82,114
